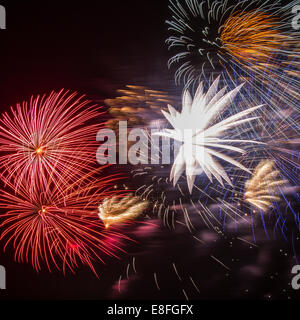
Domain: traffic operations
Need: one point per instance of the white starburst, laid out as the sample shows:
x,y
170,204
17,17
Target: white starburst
x,y
196,128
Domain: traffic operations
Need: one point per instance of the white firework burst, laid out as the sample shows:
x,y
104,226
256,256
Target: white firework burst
x,y
200,133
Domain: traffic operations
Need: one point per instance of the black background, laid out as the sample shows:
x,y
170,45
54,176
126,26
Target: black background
x,y
92,47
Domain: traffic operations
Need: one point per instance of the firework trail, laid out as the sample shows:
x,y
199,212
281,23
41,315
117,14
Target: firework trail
x,y
138,105
49,136
283,144
114,211
59,228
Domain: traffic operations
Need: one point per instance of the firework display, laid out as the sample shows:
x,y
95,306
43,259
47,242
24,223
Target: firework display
x,y
52,189
249,42
170,187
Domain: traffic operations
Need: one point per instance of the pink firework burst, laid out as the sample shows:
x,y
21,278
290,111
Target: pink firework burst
x,y
59,228
52,135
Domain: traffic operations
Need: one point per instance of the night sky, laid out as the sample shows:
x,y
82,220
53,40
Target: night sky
x,y
92,48
95,48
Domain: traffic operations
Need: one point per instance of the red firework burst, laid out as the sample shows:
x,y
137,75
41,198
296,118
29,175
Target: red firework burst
x,y
59,228
49,136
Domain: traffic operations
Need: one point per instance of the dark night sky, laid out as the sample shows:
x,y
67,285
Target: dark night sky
x,y
93,48
96,47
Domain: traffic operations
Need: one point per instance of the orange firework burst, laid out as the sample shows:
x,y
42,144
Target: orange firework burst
x,y
49,136
59,228
251,40
251,36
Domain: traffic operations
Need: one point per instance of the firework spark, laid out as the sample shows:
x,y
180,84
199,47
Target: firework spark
x,y
59,228
49,136
263,188
114,211
198,117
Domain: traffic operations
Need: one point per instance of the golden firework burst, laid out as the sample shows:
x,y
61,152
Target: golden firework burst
x,y
262,189
115,211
